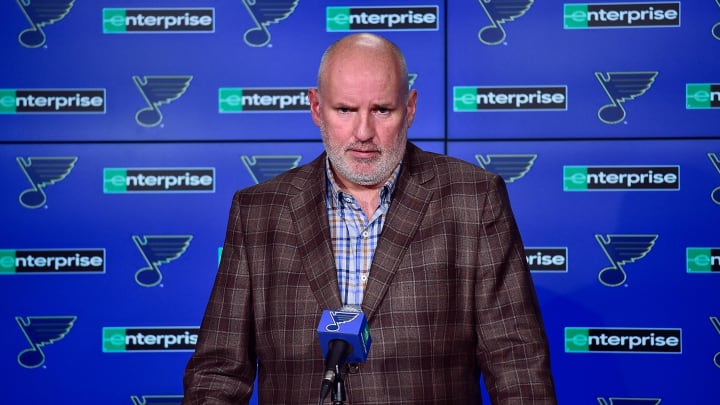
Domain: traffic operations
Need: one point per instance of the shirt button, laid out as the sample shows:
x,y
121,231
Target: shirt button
x,y
354,368
365,234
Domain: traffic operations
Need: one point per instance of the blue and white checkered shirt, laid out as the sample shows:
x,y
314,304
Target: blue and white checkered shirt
x,y
354,237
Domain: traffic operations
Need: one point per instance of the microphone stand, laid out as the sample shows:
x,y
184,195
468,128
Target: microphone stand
x,y
338,389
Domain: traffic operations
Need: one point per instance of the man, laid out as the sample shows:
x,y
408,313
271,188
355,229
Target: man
x,y
426,244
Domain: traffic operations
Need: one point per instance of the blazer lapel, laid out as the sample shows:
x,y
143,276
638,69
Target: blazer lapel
x,y
309,214
407,210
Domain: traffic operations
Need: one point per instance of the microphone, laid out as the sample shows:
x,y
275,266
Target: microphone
x,y
344,336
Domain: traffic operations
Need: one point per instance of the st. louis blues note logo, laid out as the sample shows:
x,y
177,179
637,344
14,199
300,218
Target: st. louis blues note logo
x,y
716,27
158,250
621,250
42,172
621,87
629,401
41,13
157,399
264,167
411,79
500,12
40,331
158,90
716,324
263,14
340,317
715,194
509,167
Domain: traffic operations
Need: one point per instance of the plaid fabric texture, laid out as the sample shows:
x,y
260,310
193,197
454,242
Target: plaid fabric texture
x,y
449,298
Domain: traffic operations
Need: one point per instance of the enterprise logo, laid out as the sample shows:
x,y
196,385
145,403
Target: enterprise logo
x,y
621,178
159,180
237,100
507,98
547,259
158,20
702,96
149,339
52,261
52,101
703,260
622,340
621,15
382,18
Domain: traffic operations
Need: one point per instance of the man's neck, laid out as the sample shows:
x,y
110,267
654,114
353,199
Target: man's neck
x,y
367,196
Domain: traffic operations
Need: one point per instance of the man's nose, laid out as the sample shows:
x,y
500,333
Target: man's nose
x,y
364,128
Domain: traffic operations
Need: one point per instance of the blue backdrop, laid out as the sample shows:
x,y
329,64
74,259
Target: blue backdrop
x,y
125,128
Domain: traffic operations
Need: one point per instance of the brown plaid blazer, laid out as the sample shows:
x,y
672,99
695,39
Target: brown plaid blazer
x,y
449,296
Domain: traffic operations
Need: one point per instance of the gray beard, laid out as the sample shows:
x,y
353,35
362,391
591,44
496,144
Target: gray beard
x,y
384,164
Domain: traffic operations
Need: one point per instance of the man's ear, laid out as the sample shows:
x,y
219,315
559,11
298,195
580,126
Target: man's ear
x,y
314,98
411,104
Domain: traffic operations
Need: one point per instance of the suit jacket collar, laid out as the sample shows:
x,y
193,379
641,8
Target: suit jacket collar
x,y
407,209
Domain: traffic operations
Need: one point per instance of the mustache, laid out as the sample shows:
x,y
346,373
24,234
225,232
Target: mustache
x,y
363,147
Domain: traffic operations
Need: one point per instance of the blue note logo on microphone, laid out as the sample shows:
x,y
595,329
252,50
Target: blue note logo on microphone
x,y
339,318
40,331
40,13
350,326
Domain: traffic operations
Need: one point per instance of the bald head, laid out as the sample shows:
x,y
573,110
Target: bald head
x,y
359,48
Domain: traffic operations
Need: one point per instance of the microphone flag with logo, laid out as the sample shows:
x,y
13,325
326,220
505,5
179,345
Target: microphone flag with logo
x,y
348,324
344,336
